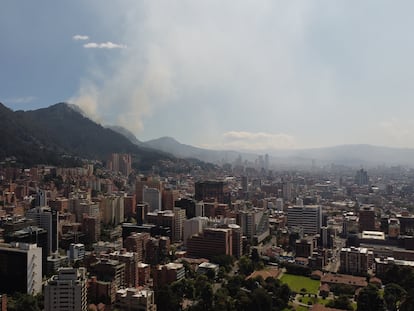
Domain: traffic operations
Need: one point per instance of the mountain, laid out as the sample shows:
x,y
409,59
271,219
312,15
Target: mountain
x,y
128,134
51,134
349,155
170,145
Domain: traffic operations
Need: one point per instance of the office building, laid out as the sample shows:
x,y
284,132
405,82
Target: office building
x,y
210,243
165,219
309,217
152,196
211,190
48,220
146,182
254,224
67,290
20,268
193,226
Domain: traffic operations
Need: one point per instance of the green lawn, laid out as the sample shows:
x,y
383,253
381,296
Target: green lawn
x,y
297,282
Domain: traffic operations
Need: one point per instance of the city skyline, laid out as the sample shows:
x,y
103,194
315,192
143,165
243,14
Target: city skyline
x,y
255,76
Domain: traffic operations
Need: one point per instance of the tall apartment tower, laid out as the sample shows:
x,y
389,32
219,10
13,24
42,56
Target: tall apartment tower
x,y
20,268
355,260
120,163
67,290
309,217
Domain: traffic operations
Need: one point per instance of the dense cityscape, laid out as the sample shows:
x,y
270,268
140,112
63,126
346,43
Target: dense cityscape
x,y
103,236
206,155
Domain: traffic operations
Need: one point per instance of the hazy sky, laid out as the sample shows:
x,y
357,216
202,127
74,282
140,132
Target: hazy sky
x,y
224,74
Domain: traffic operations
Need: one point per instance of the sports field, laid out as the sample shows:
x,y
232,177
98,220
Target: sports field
x,y
297,282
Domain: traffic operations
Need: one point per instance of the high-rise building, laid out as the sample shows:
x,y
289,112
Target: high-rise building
x,y
137,242
148,182
76,252
355,260
189,205
41,198
166,274
20,268
152,196
309,217
237,240
193,226
130,204
367,218
112,209
67,290
131,261
254,224
325,238
393,227
120,163
361,177
31,235
212,242
48,220
163,219
179,217
210,190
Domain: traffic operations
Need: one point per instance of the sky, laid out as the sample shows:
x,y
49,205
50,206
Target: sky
x,y
252,75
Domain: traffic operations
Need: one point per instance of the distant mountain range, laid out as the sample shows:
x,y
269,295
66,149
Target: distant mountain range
x,y
60,132
348,155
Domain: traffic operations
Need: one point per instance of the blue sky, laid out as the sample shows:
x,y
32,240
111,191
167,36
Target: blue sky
x,y
249,75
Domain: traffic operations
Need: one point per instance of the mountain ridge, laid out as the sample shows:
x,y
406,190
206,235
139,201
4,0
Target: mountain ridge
x,y
46,135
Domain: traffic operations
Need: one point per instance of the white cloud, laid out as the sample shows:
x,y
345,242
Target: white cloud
x,y
21,100
80,37
303,68
104,45
260,141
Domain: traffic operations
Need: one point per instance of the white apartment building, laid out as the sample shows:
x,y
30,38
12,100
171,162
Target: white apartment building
x,y
67,290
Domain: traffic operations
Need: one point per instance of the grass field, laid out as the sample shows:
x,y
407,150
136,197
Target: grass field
x,y
297,282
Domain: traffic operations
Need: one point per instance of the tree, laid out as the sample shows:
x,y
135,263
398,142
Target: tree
x,y
341,302
23,302
408,303
206,297
261,300
370,300
245,265
393,295
167,299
